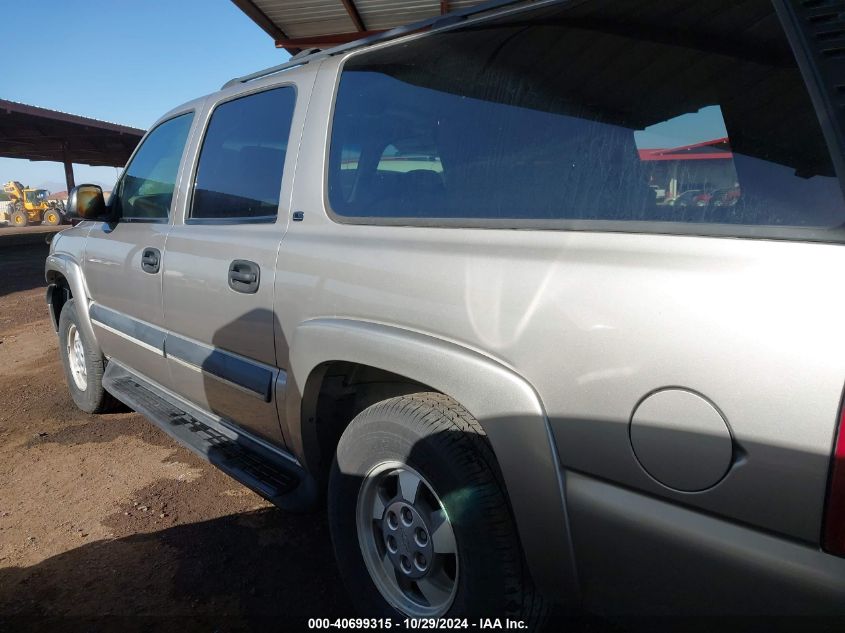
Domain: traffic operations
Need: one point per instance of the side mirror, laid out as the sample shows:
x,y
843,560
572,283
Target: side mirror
x,y
86,202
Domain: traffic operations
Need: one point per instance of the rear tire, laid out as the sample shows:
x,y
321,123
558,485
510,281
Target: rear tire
x,y
83,363
394,558
51,218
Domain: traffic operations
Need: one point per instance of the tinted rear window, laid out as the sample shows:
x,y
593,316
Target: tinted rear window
x,y
564,118
239,173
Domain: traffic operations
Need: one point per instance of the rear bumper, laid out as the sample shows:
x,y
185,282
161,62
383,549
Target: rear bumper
x,y
640,556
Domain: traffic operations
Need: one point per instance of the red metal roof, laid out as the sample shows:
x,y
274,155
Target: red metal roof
x,y
718,149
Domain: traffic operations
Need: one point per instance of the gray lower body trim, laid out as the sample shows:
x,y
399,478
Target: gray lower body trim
x,y
250,377
137,331
639,555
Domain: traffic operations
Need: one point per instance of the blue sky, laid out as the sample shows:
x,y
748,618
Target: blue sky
x,y
123,61
695,127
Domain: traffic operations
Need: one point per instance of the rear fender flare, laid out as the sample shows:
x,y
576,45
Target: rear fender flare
x,y
505,404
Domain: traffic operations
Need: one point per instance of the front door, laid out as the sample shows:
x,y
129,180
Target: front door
x,y
220,267
123,257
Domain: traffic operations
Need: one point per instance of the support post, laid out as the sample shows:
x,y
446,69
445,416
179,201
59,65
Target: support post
x,y
71,183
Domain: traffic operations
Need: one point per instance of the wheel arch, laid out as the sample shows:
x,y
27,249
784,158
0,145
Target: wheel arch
x,y
506,405
58,294
62,271
334,393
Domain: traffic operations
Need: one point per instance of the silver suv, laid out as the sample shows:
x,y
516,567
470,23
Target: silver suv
x,y
542,300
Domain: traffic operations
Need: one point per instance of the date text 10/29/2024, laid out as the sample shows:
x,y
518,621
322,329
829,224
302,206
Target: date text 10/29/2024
x,y
429,624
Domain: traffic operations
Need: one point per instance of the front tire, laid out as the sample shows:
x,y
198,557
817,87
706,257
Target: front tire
x,y
19,218
419,519
83,363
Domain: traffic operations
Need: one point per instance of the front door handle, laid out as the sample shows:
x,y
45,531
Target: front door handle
x,y
151,260
244,276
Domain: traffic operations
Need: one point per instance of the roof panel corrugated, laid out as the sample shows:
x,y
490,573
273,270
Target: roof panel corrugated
x,y
8,106
317,18
307,18
462,4
385,14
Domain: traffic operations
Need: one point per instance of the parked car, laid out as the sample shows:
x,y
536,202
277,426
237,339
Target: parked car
x,y
693,198
725,197
511,377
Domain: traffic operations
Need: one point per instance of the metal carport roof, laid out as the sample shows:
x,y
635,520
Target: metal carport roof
x,y
34,133
297,24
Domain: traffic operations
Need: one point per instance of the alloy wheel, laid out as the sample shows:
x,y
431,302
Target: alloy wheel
x,y
407,540
76,358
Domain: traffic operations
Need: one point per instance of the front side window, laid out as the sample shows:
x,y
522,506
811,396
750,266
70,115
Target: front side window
x,y
36,197
145,192
239,174
516,121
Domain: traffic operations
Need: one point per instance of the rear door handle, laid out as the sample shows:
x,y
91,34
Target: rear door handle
x,y
151,260
244,276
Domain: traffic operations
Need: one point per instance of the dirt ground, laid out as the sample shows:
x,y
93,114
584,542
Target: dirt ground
x,y
104,519
8,229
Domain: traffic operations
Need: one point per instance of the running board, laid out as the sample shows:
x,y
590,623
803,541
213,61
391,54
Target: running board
x,y
271,472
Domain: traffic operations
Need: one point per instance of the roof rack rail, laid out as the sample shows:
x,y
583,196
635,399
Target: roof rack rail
x,y
305,52
440,21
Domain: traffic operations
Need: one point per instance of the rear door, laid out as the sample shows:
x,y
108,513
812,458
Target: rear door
x,y
220,269
123,258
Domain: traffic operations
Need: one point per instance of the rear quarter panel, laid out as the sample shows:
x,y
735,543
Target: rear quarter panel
x,y
596,321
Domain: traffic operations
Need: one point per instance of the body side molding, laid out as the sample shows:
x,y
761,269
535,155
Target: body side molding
x,y
139,332
250,376
505,405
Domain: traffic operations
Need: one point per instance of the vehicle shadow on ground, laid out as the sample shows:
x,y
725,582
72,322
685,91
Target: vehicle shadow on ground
x,y
250,571
22,267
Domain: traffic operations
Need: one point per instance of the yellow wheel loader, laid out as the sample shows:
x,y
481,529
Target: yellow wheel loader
x,y
30,206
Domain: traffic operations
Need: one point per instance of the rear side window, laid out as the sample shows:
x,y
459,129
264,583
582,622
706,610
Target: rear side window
x,y
145,192
239,173
534,123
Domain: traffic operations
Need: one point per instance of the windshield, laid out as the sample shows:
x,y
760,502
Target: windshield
x,y
36,196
